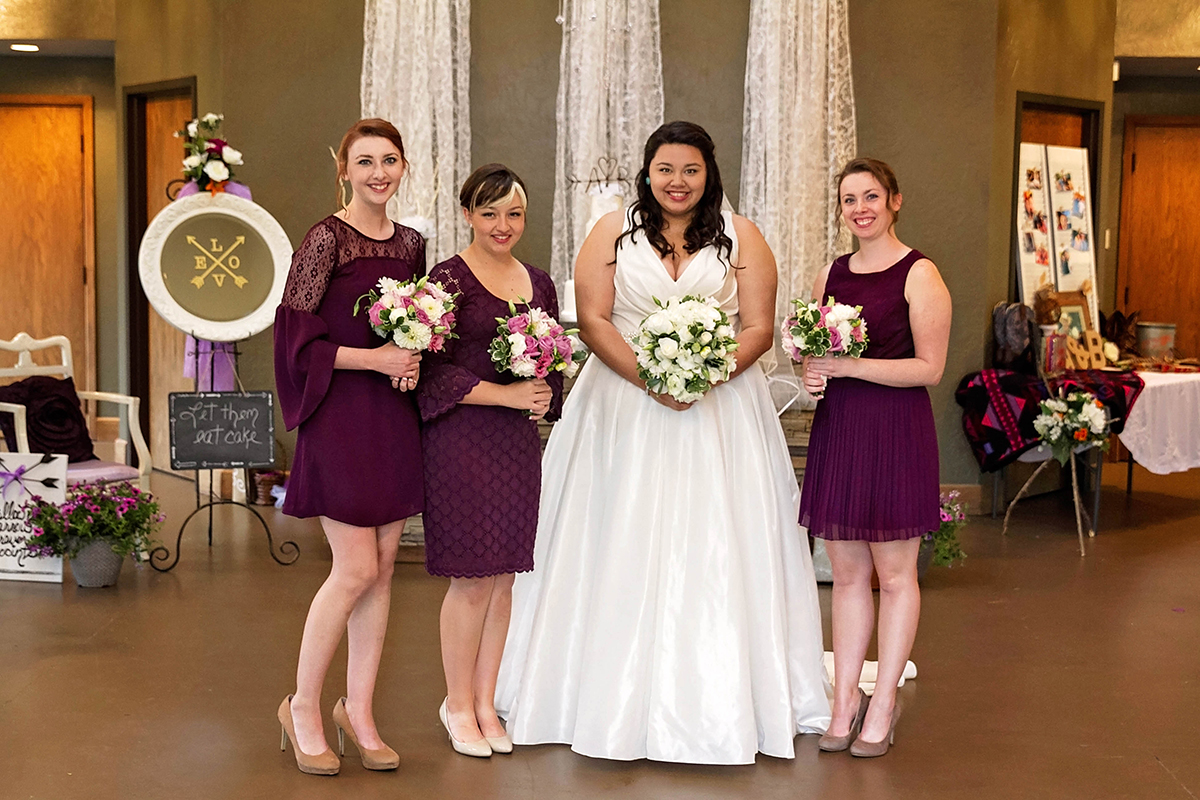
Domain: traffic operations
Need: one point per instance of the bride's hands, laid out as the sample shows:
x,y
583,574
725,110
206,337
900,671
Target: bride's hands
x,y
670,402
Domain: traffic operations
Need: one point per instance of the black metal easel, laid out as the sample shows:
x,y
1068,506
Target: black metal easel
x,y
160,554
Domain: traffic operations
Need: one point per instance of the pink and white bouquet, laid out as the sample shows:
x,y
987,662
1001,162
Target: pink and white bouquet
x,y
416,315
533,345
210,160
685,347
819,330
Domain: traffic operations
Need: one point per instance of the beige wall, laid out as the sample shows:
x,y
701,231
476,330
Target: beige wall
x,y
58,19
93,77
1157,28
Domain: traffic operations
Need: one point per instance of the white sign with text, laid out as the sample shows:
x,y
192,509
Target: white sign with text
x,y
22,477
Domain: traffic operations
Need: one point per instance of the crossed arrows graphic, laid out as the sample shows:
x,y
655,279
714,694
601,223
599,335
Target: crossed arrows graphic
x,y
218,262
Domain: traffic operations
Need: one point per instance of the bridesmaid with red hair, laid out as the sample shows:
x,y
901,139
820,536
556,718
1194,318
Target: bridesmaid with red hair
x,y
351,398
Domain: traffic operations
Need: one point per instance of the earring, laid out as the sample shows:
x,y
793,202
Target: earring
x,y
647,180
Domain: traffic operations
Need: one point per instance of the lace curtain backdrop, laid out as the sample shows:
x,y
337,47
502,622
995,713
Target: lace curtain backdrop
x,y
798,130
416,74
610,99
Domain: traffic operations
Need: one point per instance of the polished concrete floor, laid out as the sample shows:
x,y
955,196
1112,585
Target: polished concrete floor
x,y
1042,675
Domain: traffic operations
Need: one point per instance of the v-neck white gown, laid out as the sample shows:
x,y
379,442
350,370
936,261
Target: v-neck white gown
x,y
672,611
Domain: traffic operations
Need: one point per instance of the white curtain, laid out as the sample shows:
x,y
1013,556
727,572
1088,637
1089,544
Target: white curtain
x,y
798,130
610,99
416,74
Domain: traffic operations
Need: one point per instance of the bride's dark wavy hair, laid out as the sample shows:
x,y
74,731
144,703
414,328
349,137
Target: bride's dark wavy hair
x,y
707,225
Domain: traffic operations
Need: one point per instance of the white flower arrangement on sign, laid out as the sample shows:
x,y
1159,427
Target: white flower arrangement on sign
x,y
1078,420
209,158
685,347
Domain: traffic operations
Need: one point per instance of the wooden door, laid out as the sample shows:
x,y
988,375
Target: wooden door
x,y
164,153
1159,269
47,240
1063,127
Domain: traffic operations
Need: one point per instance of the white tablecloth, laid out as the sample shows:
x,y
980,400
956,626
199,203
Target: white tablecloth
x,y
1163,430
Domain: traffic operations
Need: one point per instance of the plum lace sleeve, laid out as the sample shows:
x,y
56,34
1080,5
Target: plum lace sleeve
x,y
555,379
304,355
443,382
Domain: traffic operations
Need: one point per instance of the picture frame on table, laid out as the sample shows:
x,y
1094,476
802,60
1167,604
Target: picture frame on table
x,y
1074,317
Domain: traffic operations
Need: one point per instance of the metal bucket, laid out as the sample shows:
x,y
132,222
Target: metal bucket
x,y
1155,339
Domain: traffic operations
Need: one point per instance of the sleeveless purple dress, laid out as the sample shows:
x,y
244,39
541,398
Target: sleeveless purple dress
x,y
872,470
358,450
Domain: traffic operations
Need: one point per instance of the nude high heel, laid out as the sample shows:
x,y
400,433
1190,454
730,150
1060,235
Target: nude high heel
x,y
479,749
836,744
862,749
325,763
384,758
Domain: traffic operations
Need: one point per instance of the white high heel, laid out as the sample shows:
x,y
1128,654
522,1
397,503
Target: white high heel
x,y
479,749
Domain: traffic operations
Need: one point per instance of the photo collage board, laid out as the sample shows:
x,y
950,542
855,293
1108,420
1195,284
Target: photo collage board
x,y
1055,241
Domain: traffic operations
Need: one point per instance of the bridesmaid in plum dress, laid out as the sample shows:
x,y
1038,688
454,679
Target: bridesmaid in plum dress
x,y
871,484
482,456
358,450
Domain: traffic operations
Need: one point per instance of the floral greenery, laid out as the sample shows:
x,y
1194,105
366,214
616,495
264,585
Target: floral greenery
x,y
116,512
946,549
1077,421
210,160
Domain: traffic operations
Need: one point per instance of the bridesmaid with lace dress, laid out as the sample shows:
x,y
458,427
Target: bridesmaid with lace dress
x,y
482,456
871,483
357,464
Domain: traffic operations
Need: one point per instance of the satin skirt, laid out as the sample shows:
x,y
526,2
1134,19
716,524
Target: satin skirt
x,y
672,611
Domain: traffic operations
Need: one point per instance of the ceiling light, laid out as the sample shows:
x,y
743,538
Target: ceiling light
x,y
24,48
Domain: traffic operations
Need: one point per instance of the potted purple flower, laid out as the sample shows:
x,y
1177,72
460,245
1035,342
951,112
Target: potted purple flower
x,y
96,528
941,547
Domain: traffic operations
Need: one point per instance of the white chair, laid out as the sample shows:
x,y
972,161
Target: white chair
x,y
87,471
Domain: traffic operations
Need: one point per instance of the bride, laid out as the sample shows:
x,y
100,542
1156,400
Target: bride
x,y
672,612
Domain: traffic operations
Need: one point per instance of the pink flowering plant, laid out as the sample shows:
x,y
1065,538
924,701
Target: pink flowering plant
x,y
532,344
817,330
946,549
416,315
119,513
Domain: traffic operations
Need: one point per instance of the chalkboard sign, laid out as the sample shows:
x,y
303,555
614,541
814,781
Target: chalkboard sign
x,y
219,430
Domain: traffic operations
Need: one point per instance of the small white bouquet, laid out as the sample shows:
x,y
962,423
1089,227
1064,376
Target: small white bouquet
x,y
210,160
685,347
1076,421
416,315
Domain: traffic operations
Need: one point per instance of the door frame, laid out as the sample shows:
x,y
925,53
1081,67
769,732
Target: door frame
x,y
86,380
1092,112
133,101
1124,242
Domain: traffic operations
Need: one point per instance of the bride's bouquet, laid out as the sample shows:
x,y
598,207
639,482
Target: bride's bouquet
x,y
416,315
532,345
818,330
685,347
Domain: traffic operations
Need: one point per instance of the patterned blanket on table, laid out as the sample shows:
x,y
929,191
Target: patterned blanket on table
x,y
999,407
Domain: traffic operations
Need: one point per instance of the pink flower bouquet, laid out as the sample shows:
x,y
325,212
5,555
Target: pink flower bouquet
x,y
533,345
416,315
819,330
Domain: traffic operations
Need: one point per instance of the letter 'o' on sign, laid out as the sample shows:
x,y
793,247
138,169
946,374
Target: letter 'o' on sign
x,y
214,266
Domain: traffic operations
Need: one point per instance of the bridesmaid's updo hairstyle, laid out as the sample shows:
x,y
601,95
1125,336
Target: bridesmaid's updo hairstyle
x,y
492,185
707,225
364,127
882,173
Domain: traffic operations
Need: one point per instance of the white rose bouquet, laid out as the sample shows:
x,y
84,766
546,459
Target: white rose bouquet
x,y
210,159
685,347
819,330
416,315
533,344
1076,421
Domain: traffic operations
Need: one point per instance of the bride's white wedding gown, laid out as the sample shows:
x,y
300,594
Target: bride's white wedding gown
x,y
672,611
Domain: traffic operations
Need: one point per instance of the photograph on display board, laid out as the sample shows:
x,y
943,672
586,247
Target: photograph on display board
x,y
1032,222
1070,197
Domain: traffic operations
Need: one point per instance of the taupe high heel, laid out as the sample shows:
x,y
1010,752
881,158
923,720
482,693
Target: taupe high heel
x,y
479,748
862,749
384,758
836,744
325,763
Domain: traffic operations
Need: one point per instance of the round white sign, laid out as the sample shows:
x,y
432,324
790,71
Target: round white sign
x,y
214,266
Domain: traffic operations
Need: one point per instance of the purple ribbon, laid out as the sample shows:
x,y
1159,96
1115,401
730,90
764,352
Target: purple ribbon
x,y
11,477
